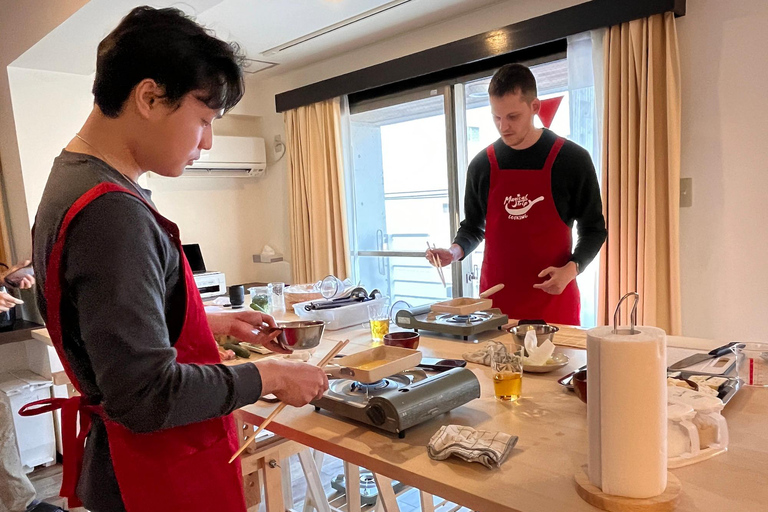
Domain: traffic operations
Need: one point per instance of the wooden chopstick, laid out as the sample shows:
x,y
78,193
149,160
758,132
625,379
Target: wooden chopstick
x,y
436,263
330,355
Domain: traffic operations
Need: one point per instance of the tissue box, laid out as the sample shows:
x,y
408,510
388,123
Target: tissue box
x,y
262,258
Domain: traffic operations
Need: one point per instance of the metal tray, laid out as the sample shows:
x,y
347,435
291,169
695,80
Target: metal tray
x,y
725,392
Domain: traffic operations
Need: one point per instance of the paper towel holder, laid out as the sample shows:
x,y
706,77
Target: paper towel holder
x,y
632,315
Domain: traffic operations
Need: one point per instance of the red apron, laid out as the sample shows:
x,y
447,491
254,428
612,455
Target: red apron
x,y
524,234
177,469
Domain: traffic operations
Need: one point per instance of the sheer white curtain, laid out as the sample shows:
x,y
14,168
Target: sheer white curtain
x,y
585,78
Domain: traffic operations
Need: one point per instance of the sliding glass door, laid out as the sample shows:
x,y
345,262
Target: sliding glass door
x,y
398,188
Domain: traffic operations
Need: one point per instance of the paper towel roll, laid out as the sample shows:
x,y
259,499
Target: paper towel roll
x,y
627,411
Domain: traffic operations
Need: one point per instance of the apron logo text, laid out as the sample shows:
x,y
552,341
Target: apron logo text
x,y
518,206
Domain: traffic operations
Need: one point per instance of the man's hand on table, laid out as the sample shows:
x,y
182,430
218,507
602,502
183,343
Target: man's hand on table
x,y
559,277
293,383
243,324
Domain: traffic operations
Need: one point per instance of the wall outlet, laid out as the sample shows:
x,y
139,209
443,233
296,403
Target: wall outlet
x,y
686,192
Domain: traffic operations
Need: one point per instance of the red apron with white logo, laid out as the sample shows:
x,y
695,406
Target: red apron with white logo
x,y
524,234
173,470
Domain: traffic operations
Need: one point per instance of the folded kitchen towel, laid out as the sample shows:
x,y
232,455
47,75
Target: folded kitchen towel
x,y
483,354
488,448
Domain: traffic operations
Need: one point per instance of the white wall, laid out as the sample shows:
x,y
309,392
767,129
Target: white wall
x,y
724,235
231,218
48,108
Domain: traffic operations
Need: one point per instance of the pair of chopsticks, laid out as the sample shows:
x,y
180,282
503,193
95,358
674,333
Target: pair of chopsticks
x,y
330,355
436,263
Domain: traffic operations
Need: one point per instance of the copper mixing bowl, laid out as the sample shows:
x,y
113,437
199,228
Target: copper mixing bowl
x,y
580,385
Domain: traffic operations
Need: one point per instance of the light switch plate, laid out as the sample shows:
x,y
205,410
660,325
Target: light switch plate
x,y
686,192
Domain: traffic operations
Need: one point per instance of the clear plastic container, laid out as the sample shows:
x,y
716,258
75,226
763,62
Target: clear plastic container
x,y
710,424
753,364
339,318
682,435
259,298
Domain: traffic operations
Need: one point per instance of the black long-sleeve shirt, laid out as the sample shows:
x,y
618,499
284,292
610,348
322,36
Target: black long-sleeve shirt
x,y
574,190
122,310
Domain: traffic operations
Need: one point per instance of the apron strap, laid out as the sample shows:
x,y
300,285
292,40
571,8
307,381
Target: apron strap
x,y
553,154
73,434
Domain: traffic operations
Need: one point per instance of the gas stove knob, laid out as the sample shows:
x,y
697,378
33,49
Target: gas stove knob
x,y
376,414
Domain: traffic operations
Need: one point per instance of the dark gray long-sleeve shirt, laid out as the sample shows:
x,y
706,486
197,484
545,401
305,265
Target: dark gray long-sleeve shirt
x,y
574,190
122,311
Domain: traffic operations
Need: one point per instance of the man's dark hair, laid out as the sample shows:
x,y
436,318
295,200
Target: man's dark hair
x,y
174,51
511,79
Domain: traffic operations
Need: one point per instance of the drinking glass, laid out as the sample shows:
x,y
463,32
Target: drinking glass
x,y
378,316
507,368
331,286
276,297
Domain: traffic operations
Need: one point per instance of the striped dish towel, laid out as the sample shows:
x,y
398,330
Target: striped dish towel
x,y
488,448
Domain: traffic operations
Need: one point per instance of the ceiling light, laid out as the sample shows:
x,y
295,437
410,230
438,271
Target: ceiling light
x,y
330,28
252,66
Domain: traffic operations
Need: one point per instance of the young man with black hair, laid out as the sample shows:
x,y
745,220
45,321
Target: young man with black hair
x,y
523,195
118,296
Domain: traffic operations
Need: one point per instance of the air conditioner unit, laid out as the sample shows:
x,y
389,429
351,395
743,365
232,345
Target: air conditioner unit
x,y
231,157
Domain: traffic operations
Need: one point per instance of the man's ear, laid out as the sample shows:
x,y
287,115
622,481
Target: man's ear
x,y
535,106
146,97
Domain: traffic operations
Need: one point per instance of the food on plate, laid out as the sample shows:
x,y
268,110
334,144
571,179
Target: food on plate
x,y
708,381
681,383
693,384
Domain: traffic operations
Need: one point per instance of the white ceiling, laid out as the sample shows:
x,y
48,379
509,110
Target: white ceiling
x,y
256,25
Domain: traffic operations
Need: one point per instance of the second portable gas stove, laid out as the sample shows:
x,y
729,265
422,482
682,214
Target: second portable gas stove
x,y
422,317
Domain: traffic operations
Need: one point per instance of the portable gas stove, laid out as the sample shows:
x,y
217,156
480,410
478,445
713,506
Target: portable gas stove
x,y
400,401
422,317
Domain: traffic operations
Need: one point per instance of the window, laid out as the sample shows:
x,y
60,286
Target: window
x,y
399,193
407,174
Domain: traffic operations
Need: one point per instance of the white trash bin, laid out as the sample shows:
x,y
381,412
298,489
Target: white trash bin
x,y
35,435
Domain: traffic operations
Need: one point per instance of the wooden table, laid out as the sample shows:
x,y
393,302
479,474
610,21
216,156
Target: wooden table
x,y
552,446
20,331
551,425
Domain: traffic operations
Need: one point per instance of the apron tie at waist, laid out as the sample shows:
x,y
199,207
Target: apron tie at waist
x,y
73,438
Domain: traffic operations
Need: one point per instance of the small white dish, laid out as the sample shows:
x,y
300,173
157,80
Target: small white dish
x,y
557,361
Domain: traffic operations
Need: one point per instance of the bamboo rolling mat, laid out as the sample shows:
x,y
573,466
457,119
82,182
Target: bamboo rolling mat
x,y
569,336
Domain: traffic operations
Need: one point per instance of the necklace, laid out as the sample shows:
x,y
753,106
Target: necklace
x,y
133,184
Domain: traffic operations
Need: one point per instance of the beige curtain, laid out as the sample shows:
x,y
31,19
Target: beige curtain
x,y
318,216
641,171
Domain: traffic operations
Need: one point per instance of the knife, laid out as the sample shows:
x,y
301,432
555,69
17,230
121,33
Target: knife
x,y
697,358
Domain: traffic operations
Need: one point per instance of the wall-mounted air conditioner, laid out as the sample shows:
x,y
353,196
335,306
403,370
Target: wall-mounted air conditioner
x,y
231,157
